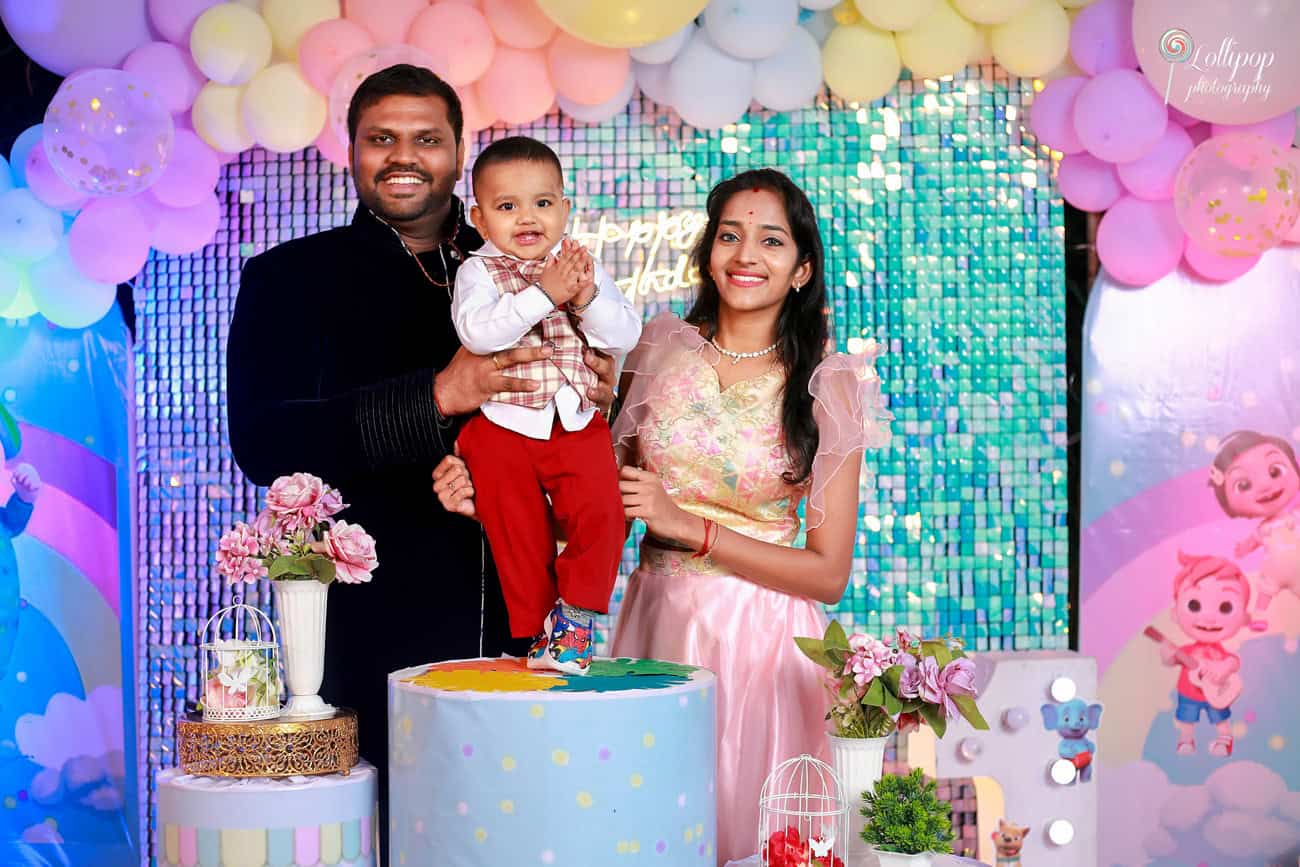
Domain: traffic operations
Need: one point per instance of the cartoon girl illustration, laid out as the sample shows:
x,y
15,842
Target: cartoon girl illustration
x,y
1256,476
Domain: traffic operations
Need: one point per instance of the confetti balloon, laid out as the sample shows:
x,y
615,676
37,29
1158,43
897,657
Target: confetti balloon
x,y
107,133
1237,195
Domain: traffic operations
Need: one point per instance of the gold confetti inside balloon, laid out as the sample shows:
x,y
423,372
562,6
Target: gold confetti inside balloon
x,y
1238,194
107,133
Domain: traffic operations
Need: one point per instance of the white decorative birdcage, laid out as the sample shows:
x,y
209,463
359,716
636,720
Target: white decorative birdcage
x,y
803,816
239,661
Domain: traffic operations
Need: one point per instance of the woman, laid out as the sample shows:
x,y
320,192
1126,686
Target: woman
x,y
731,419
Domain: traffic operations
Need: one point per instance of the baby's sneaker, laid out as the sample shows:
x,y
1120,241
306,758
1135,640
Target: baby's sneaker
x,y
571,633
538,650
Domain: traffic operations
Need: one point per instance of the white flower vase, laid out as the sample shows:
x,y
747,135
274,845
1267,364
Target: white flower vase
x,y
301,606
858,762
897,859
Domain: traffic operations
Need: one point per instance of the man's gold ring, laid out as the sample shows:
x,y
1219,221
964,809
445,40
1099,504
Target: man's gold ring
x,y
496,362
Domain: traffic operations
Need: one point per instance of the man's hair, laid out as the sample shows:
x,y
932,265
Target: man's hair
x,y
514,149
404,80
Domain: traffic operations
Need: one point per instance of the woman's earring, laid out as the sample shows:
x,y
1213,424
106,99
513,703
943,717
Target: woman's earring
x,y
796,287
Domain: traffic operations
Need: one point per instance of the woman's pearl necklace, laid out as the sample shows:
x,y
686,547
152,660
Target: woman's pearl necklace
x,y
737,356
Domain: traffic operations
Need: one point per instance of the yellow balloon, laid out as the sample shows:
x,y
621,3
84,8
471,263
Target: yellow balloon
x,y
860,62
217,120
939,45
989,11
983,50
281,110
230,43
1035,42
1074,4
23,305
892,15
622,23
288,20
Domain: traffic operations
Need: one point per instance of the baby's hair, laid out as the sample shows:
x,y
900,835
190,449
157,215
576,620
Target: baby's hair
x,y
1197,568
515,149
1234,445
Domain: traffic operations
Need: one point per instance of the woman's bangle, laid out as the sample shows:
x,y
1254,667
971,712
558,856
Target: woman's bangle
x,y
704,546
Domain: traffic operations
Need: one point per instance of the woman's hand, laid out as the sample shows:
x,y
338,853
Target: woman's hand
x,y
452,484
644,497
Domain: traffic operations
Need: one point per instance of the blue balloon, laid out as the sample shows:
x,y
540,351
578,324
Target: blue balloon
x,y
28,139
6,179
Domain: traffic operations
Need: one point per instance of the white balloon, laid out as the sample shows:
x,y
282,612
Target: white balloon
x,y
708,87
663,50
29,230
604,111
790,78
819,5
67,297
652,78
750,30
12,278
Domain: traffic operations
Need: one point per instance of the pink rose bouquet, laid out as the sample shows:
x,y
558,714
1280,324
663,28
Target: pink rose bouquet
x,y
296,538
898,683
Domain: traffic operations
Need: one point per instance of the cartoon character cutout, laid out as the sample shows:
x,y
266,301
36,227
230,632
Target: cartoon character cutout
x,y
1072,720
1211,605
13,520
1256,476
1008,840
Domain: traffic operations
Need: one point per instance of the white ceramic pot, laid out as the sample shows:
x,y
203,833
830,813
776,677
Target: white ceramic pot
x,y
858,762
894,859
301,607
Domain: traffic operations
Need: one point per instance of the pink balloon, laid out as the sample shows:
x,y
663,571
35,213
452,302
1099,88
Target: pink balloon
x,y
1118,116
1088,183
1051,117
500,89
1139,242
1212,266
191,172
331,148
109,240
1231,62
48,186
1101,37
585,73
325,47
357,69
169,71
181,231
387,20
1279,130
519,23
1151,176
68,35
174,19
477,115
1238,195
458,39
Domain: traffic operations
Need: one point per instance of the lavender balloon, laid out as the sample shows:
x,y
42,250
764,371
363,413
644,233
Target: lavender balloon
x,y
107,133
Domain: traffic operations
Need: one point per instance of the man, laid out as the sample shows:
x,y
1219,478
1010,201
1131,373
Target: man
x,y
343,362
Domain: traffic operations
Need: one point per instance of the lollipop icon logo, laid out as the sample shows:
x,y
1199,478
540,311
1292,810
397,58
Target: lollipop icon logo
x,y
1176,46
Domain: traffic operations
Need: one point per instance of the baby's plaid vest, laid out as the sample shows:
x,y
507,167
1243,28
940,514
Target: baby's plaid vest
x,y
565,366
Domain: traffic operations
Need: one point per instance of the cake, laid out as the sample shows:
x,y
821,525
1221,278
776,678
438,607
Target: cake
x,y
300,821
491,763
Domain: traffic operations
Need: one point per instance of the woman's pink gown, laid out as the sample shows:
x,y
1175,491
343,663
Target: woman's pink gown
x,y
721,456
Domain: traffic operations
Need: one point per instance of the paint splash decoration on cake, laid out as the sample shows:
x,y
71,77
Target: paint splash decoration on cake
x,y
512,675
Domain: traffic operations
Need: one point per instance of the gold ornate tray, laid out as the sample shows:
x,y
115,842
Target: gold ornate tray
x,y
268,748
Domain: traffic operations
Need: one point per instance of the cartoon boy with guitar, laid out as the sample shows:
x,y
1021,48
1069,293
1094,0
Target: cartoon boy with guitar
x,y
1211,605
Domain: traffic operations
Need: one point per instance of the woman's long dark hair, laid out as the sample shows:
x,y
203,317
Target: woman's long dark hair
x,y
801,328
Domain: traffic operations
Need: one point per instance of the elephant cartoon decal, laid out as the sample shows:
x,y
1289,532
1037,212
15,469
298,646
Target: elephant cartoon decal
x,y
1072,720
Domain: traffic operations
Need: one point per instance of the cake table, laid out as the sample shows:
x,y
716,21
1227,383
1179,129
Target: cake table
x,y
493,764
